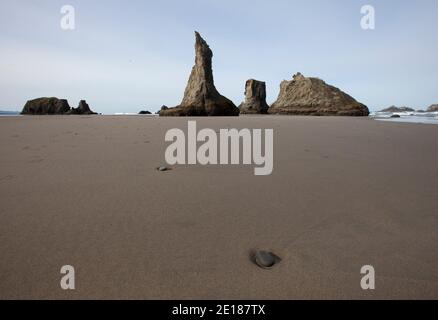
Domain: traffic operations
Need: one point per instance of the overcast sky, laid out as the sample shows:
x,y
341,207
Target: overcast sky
x,y
125,56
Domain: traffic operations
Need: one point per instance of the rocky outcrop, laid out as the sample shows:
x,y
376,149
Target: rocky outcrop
x,y
255,98
312,96
398,109
163,108
143,112
53,106
43,106
83,108
433,108
201,97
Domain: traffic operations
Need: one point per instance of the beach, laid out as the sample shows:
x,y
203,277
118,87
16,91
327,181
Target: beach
x,y
344,193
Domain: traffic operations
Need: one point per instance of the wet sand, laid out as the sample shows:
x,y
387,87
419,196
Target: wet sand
x,y
345,192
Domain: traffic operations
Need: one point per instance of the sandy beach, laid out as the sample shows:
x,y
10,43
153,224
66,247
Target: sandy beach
x,y
345,192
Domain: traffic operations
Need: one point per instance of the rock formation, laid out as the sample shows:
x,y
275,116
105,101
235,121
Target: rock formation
x,y
255,98
83,108
144,112
201,97
433,108
312,96
163,108
52,106
42,106
398,109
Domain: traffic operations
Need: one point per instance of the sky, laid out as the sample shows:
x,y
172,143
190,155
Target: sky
x,y
127,56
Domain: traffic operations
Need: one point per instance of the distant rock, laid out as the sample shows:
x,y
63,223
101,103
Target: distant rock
x,y
421,111
42,106
54,106
395,116
83,108
201,97
398,109
255,98
163,108
312,96
145,112
433,108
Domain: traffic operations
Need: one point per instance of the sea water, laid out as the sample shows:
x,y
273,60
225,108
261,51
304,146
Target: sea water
x,y
409,117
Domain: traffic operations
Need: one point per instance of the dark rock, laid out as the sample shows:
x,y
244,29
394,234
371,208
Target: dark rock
x,y
43,106
83,108
52,106
433,108
255,98
312,96
265,259
395,116
398,109
145,112
201,97
163,108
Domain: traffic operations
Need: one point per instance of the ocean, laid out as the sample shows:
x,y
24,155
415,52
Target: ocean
x,y
409,117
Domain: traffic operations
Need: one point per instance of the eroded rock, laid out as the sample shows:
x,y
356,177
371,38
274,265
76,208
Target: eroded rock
x,y
255,98
312,96
201,97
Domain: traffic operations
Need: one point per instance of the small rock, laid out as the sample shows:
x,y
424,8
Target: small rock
x,y
163,168
395,116
265,259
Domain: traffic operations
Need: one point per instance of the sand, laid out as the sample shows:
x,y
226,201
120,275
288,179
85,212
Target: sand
x,y
345,192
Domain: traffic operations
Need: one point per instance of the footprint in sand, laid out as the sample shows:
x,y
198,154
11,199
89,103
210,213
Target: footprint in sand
x,y
36,160
8,177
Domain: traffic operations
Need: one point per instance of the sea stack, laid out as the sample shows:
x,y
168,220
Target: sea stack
x,y
42,106
433,108
312,96
201,97
398,109
54,106
83,108
255,98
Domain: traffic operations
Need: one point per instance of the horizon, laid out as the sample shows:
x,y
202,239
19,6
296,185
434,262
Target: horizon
x,y
118,60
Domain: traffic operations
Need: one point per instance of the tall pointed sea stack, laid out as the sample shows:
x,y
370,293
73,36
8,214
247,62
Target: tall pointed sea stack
x,y
312,96
255,98
201,97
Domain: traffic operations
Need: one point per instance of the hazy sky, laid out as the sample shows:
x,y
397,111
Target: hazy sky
x,y
125,56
